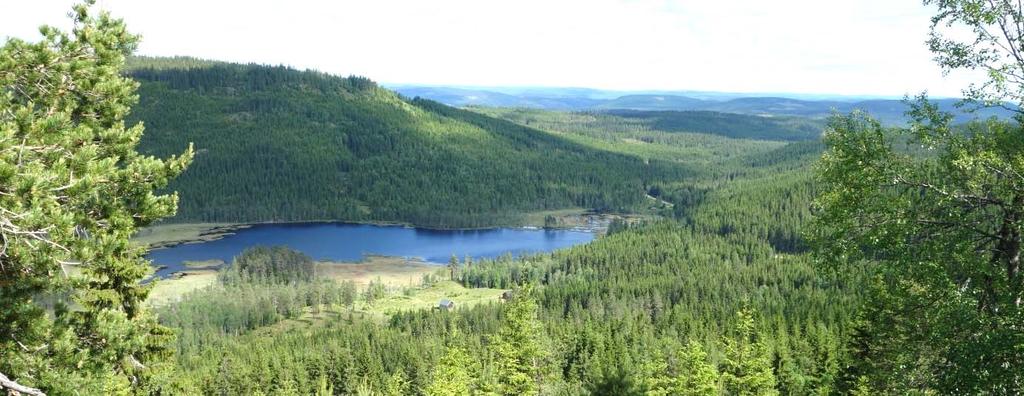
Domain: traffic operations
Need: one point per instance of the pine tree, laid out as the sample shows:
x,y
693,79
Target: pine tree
x,y
72,192
654,377
288,387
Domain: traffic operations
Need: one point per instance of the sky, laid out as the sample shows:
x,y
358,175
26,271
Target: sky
x,y
839,47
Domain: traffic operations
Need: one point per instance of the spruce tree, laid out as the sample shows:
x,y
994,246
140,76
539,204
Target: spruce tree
x,y
453,374
747,368
696,376
521,347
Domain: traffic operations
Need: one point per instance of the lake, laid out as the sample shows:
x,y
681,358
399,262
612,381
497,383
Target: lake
x,y
351,242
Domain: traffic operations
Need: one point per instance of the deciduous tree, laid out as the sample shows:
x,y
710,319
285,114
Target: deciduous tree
x,y
937,211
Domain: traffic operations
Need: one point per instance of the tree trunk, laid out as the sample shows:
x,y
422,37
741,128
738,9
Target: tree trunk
x,y
1012,248
1007,254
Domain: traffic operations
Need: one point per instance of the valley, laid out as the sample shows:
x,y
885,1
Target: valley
x,y
172,225
345,149
708,207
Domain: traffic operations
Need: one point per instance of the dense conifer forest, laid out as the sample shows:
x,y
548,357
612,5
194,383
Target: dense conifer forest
x,y
665,305
276,144
725,270
648,297
775,255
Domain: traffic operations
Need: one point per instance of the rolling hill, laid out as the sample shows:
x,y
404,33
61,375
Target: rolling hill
x,y
889,111
277,144
570,100
740,126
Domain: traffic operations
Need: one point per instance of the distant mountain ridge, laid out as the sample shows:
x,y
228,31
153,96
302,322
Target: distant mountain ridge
x,y
889,111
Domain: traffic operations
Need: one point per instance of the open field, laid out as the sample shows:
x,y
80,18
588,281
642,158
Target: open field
x,y
170,234
536,219
203,264
425,297
173,289
395,301
428,297
393,271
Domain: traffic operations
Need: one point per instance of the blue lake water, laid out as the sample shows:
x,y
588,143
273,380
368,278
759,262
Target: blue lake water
x,y
350,242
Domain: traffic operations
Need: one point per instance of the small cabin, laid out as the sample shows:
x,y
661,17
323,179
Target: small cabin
x,y
446,304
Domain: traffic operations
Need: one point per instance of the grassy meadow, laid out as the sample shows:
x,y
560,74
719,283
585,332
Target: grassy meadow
x,y
403,281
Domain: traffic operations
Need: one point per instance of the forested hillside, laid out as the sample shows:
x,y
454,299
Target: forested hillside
x,y
276,144
736,126
719,297
722,284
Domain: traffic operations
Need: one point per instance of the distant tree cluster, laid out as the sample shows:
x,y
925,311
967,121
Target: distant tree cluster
x,y
263,264
727,124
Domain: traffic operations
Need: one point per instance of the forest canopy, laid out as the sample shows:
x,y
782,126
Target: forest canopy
x,y
770,259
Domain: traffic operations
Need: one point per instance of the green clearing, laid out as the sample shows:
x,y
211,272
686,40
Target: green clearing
x,y
403,280
170,234
392,271
203,264
173,289
427,297
585,219
397,300
536,219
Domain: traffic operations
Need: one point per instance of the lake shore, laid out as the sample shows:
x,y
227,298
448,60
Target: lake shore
x,y
168,235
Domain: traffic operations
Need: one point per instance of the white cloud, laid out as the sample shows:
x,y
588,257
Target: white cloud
x,y
800,46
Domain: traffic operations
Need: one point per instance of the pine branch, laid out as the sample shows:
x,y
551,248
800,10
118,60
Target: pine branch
x,y
18,389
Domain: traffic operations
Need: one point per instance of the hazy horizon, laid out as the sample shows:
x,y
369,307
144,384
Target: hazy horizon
x,y
872,49
667,92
